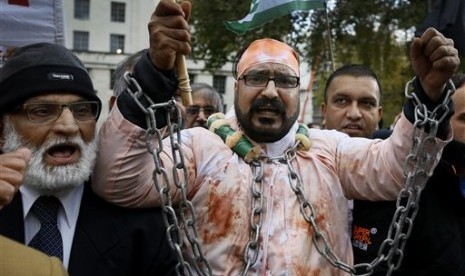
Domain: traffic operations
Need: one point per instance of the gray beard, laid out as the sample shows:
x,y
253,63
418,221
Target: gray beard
x,y
51,179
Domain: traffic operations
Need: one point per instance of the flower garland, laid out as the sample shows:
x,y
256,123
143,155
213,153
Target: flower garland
x,y
240,144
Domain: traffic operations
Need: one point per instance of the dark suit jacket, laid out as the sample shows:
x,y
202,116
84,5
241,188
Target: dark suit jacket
x,y
108,240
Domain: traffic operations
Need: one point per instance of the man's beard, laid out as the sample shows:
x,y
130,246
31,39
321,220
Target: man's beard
x,y
51,179
261,136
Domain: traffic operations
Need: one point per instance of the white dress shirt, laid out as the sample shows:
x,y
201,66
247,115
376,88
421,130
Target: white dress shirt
x,y
67,216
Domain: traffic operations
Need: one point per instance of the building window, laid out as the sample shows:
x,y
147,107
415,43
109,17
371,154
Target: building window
x,y
118,11
192,78
81,9
81,41
117,43
219,83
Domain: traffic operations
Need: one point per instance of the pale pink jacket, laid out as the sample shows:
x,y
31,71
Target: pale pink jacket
x,y
335,169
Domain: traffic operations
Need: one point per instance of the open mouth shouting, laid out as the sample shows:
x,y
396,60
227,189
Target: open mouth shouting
x,y
62,154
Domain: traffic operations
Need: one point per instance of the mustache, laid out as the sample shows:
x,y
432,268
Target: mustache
x,y
275,103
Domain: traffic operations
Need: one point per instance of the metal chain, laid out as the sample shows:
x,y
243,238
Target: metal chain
x,y
256,217
309,214
186,226
417,168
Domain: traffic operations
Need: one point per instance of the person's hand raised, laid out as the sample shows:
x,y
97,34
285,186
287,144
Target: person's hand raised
x,y
12,171
434,60
169,33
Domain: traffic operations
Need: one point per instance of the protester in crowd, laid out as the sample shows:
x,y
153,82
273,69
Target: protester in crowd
x,y
436,245
352,104
437,242
262,205
17,259
126,65
352,101
48,104
206,100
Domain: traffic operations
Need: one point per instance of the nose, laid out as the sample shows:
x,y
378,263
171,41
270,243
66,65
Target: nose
x,y
202,115
270,90
66,124
353,111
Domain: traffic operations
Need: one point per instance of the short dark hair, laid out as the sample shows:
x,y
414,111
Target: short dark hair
x,y
354,70
126,64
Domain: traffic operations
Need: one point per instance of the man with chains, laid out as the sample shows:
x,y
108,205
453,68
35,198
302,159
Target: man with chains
x,y
269,194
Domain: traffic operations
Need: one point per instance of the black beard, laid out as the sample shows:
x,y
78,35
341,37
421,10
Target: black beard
x,y
260,136
454,153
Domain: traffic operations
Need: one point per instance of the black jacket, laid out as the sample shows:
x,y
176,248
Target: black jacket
x,y
436,245
108,240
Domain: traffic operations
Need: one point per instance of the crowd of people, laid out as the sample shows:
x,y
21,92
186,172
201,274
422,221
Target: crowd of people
x,y
269,195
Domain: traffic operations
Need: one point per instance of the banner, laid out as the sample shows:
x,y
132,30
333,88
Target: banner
x,y
262,11
24,22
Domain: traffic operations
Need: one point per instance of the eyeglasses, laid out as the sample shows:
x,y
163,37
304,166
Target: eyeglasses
x,y
50,112
279,81
194,110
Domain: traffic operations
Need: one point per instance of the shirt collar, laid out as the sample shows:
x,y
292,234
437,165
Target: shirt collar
x,y
70,200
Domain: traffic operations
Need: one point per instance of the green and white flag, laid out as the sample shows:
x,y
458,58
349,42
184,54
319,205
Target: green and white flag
x,y
262,11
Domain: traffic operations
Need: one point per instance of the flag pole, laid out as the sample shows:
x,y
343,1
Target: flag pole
x,y
183,78
330,40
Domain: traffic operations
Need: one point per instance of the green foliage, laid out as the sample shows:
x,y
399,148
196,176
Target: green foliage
x,y
367,32
217,45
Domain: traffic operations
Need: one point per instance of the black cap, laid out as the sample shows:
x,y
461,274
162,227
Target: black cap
x,y
42,68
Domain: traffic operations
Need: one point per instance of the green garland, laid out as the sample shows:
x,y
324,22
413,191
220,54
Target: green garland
x,y
241,145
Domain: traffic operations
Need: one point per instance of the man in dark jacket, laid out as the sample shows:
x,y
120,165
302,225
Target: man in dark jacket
x,y
48,104
436,245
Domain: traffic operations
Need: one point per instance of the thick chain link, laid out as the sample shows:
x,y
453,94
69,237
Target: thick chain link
x,y
309,214
252,247
186,226
417,168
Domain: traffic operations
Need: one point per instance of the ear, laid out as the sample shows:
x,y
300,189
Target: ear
x,y
323,109
235,88
380,113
